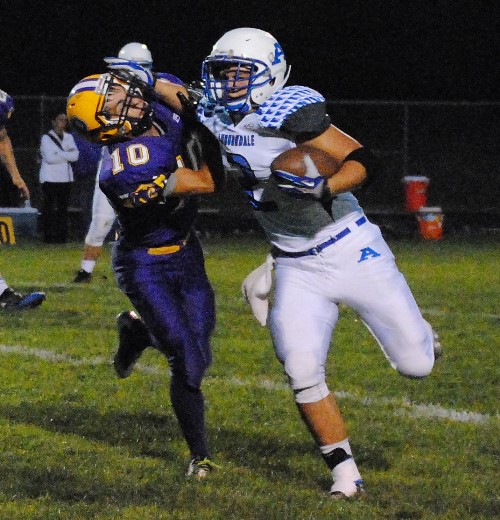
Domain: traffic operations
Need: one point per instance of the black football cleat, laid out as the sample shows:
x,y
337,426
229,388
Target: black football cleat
x,y
13,301
82,276
133,338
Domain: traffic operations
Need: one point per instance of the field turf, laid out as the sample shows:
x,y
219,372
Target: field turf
x,y
78,443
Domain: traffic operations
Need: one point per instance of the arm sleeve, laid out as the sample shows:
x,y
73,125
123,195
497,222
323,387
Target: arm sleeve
x,y
307,123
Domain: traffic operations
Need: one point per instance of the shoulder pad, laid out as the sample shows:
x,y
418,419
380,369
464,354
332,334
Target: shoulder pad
x,y
285,102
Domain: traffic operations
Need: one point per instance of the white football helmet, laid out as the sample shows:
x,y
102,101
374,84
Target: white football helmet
x,y
137,52
244,49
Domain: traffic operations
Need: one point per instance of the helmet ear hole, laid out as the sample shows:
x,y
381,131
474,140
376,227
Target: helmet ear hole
x,y
78,125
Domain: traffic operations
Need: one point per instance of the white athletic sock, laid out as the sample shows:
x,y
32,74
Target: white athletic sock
x,y
345,474
88,265
342,444
3,285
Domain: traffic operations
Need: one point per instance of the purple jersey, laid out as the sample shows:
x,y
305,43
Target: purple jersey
x,y
169,77
138,161
6,108
89,155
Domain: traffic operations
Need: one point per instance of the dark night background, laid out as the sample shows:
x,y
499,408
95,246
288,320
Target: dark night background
x,y
391,50
407,52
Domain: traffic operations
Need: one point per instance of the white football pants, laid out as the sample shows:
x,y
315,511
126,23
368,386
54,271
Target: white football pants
x,y
103,217
358,271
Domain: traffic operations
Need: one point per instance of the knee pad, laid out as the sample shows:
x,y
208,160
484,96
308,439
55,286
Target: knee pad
x,y
311,394
421,363
98,230
415,367
304,369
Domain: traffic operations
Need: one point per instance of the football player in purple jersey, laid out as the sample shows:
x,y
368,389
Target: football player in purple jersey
x,y
103,215
150,173
10,299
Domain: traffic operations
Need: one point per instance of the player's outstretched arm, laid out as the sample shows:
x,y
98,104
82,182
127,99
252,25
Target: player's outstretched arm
x,y
8,159
182,182
168,93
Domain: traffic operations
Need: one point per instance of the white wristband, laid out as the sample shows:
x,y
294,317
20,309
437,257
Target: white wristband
x,y
170,185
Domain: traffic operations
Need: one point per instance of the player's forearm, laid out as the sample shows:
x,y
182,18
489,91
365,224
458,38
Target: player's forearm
x,y
167,91
193,182
350,176
8,159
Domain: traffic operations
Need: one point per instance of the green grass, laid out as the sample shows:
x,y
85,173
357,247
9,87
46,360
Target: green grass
x,y
77,443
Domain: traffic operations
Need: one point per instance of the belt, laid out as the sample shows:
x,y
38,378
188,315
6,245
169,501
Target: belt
x,y
168,250
275,251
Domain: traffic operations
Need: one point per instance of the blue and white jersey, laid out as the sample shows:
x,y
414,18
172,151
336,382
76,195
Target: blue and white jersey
x,y
127,165
6,108
292,114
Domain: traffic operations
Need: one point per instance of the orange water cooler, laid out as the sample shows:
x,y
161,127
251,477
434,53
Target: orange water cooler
x,y
415,192
430,223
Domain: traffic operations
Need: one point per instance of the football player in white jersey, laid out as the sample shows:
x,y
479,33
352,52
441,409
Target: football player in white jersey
x,y
326,252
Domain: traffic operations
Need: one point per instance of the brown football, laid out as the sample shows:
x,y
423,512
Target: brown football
x,y
292,161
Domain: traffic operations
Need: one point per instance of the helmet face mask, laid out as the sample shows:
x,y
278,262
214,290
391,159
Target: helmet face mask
x,y
105,109
244,55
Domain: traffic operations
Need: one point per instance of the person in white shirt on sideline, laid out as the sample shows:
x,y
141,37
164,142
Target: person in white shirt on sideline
x,y
58,150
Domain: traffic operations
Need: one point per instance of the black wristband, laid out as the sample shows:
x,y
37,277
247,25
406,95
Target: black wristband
x,y
368,159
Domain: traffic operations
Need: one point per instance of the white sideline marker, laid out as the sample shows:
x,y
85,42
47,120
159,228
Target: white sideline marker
x,y
404,407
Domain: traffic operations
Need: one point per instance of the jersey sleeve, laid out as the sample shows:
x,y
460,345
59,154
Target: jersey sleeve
x,y
6,108
307,123
297,112
168,77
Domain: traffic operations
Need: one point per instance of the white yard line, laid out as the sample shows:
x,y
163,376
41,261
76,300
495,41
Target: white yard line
x,y
439,313
401,406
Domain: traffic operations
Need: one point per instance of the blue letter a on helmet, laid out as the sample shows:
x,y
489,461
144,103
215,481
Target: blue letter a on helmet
x,y
278,52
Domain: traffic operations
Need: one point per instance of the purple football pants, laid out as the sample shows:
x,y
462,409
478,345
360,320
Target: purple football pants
x,y
174,297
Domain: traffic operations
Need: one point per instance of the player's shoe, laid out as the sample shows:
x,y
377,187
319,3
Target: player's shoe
x,y
438,348
342,490
12,300
82,276
200,467
133,338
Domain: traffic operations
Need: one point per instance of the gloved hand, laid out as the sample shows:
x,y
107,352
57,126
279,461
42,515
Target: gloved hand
x,y
119,64
195,90
190,103
310,186
145,193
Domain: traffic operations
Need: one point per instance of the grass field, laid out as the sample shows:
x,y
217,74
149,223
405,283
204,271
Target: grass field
x,y
77,443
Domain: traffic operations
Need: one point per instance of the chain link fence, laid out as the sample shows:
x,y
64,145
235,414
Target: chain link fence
x,y
456,145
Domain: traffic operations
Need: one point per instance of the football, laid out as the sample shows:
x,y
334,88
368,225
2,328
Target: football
x,y
292,161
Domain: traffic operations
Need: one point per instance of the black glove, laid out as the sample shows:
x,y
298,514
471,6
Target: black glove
x,y
190,103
